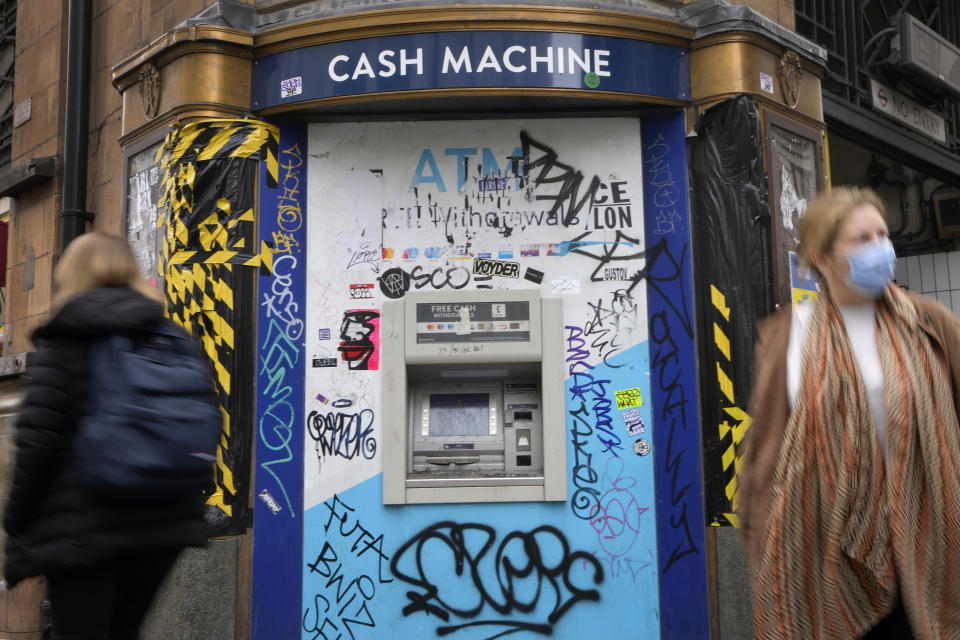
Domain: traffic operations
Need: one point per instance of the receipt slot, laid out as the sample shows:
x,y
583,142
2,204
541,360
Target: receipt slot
x,y
473,398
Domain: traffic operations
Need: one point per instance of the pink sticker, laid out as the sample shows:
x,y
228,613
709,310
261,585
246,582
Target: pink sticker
x,y
360,339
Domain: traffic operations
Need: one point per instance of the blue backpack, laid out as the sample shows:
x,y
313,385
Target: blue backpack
x,y
152,424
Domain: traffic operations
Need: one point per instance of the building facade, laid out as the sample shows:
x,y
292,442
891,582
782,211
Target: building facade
x,y
478,280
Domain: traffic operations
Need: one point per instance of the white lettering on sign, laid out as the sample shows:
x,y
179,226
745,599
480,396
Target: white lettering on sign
x,y
513,59
905,110
446,310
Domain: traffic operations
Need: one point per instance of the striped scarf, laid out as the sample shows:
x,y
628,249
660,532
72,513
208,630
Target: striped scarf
x,y
847,534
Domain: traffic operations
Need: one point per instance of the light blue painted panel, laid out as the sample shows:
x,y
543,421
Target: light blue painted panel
x,y
481,570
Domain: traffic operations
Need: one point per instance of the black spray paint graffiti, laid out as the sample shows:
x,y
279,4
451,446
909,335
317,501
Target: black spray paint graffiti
x,y
611,323
367,254
537,170
667,368
342,434
395,282
357,345
660,268
448,551
667,363
545,168
337,593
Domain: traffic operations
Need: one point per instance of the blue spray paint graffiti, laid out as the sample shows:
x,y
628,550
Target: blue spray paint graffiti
x,y
279,358
280,380
613,493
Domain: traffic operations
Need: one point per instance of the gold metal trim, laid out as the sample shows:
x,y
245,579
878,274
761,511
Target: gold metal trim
x,y
183,113
150,86
470,18
734,64
389,96
815,68
790,74
182,41
778,108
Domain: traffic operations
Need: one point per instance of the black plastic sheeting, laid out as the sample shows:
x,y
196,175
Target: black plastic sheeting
x,y
732,282
210,197
220,181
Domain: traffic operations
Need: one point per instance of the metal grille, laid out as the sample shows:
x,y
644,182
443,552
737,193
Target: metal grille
x,y
8,32
857,35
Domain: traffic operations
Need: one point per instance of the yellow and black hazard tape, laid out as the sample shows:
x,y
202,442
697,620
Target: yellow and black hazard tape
x,y
186,258
200,250
221,138
736,421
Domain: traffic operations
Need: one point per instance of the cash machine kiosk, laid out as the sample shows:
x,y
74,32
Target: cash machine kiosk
x,y
473,397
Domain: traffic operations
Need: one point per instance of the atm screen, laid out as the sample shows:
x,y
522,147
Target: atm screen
x,y
459,414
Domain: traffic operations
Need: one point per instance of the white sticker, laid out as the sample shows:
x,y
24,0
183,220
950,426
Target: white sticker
x,y
766,83
565,286
270,501
291,87
641,447
464,327
791,204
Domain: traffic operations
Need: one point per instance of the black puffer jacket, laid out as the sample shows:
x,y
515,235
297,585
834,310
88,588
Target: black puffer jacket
x,y
52,520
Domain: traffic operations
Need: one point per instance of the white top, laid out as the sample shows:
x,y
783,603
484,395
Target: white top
x,y
860,323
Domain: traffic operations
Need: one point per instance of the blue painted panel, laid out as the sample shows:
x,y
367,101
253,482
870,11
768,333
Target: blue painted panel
x,y
473,571
468,59
673,368
605,563
278,504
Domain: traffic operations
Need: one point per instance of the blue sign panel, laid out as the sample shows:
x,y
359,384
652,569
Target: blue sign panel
x,y
278,504
471,59
673,386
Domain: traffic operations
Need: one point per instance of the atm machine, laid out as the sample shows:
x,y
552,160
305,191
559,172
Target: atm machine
x,y
473,397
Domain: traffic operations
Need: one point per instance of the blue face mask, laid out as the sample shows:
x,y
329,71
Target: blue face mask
x,y
871,267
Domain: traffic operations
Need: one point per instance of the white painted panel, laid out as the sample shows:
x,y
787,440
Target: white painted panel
x,y
913,273
900,274
941,270
443,194
953,264
945,299
928,283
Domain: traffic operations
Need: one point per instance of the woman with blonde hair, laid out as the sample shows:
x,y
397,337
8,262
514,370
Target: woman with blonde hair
x,y
850,491
103,558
